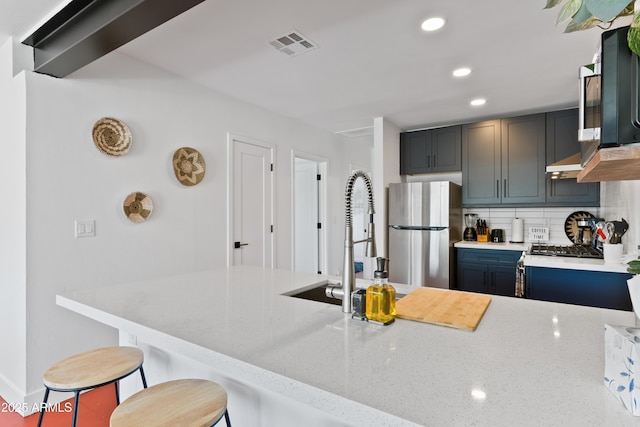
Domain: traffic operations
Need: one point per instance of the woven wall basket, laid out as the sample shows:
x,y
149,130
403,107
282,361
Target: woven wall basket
x,y
137,207
111,136
189,166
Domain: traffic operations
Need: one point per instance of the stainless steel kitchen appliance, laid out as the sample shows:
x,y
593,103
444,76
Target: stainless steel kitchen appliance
x,y
575,251
609,103
470,221
425,220
610,97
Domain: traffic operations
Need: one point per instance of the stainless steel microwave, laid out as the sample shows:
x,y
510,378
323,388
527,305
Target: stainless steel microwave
x,y
590,99
610,97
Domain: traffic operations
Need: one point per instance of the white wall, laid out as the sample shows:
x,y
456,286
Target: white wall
x,y
12,229
68,179
386,170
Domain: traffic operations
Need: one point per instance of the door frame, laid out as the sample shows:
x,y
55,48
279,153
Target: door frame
x,y
231,138
323,240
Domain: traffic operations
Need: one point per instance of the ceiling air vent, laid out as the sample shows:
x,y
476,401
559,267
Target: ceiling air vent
x,y
293,43
355,133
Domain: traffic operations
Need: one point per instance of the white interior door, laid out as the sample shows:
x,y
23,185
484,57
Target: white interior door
x,y
306,215
252,195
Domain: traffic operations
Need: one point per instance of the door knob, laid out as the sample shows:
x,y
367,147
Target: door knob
x,y
237,245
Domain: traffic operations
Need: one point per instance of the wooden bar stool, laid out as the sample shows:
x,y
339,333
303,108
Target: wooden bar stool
x,y
184,403
89,370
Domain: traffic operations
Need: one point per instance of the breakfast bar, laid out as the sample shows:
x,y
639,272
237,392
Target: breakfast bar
x,y
527,363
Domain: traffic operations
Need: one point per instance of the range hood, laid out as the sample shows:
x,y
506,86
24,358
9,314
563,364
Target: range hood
x,y
569,167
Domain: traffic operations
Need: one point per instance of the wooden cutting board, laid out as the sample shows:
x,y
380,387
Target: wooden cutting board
x,y
457,309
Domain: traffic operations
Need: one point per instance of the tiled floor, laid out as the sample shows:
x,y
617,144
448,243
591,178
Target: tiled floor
x,y
94,411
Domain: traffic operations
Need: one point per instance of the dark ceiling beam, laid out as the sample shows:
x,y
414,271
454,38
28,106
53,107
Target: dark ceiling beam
x,y
86,30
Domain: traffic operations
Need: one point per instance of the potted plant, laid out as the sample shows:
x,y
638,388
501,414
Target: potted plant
x,y
585,14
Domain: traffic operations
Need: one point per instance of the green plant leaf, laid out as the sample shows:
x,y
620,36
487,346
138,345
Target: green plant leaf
x,y
584,25
633,39
606,10
552,3
568,10
582,14
636,20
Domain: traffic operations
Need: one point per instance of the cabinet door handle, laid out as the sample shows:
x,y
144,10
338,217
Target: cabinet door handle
x,y
504,189
498,188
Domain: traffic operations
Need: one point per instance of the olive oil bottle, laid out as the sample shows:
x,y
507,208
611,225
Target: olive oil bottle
x,y
381,297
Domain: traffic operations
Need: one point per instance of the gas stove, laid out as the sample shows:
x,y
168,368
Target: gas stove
x,y
576,251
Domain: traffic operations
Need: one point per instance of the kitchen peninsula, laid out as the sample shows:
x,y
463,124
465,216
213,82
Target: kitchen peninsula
x,y
528,363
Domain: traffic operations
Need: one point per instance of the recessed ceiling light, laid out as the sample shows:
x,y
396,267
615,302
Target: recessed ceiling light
x,y
478,102
461,72
433,24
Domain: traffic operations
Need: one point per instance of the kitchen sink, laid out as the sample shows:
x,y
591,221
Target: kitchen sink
x,y
315,293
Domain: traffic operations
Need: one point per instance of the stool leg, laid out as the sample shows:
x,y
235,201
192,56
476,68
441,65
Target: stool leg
x,y
115,383
43,406
226,418
144,379
76,403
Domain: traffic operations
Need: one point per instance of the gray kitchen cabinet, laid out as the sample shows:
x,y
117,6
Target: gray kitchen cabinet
x,y
503,162
562,142
429,151
486,271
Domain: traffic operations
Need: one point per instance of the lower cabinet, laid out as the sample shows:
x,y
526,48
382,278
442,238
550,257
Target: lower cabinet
x,y
590,288
487,271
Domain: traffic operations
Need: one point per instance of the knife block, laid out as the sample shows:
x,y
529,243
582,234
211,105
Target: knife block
x,y
483,237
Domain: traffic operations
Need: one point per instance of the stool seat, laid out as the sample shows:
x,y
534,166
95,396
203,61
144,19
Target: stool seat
x,y
93,368
185,403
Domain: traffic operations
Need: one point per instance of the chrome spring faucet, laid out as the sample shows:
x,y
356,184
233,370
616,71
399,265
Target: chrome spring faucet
x,y
344,290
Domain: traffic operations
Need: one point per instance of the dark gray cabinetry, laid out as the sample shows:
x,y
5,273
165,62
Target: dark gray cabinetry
x,y
503,162
429,151
481,163
487,271
562,142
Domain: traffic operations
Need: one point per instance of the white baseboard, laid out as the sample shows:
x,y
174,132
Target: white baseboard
x,y
26,404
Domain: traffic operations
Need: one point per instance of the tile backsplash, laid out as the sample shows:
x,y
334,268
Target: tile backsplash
x,y
619,199
554,218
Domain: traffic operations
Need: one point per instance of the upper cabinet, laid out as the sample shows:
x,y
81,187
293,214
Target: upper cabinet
x,y
503,162
562,142
429,151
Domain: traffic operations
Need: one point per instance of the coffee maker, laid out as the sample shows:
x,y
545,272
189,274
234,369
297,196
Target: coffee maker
x,y
470,220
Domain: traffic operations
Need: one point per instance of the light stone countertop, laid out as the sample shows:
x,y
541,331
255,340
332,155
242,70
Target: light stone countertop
x,y
504,246
528,363
571,263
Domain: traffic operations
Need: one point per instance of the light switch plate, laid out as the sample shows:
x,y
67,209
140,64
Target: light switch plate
x,y
85,228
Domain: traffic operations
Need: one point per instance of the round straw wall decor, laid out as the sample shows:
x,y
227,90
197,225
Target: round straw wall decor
x,y
189,166
137,207
111,136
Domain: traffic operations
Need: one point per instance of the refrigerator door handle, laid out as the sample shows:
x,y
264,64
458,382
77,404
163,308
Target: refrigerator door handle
x,y
418,227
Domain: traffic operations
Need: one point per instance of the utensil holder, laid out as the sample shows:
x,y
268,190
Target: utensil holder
x,y
612,253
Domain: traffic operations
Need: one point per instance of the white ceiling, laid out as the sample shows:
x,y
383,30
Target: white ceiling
x,y
373,59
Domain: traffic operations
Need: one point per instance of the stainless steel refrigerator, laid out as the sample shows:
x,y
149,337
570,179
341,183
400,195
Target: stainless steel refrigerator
x,y
425,220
